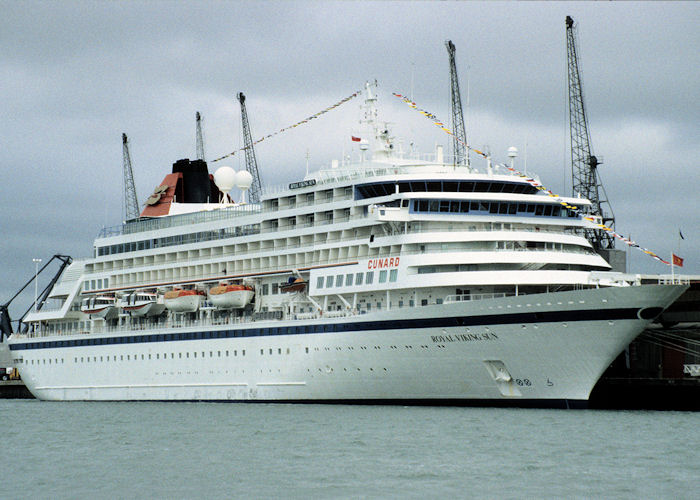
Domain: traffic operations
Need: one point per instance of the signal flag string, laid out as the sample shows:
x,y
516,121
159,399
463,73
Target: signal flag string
x,y
305,120
533,182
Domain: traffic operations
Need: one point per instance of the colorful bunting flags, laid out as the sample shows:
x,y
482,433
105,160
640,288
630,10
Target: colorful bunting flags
x,y
437,122
305,120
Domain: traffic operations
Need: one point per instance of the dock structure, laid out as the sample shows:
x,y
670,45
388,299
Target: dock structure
x,y
660,369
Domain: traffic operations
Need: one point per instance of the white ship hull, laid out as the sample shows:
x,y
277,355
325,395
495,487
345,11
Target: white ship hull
x,y
553,347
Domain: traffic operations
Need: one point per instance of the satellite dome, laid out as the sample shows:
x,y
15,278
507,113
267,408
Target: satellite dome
x,y
243,180
225,179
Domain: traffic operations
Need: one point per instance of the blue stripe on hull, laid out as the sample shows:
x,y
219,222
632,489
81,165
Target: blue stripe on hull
x,y
355,326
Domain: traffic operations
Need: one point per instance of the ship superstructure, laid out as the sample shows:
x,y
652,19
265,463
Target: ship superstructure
x,y
395,278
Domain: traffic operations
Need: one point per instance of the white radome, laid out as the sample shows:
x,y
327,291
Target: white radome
x,y
225,179
243,180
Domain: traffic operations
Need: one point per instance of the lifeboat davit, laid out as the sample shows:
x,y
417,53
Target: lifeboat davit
x,y
294,285
142,304
99,306
182,301
231,296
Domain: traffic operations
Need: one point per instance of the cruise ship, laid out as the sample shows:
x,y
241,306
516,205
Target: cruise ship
x,y
395,278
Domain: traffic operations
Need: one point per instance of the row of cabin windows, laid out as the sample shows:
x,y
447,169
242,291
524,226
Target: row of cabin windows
x,y
491,207
340,280
98,284
157,356
454,268
374,190
270,289
179,239
320,196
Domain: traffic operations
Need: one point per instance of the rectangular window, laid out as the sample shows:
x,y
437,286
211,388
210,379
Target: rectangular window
x,y
275,288
265,289
329,281
319,282
393,274
369,277
348,280
382,276
358,278
339,280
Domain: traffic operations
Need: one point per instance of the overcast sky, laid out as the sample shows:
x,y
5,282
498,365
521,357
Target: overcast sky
x,y
75,75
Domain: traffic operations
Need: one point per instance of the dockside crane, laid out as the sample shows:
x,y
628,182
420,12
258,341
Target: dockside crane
x,y
200,138
459,139
255,191
584,164
5,321
131,203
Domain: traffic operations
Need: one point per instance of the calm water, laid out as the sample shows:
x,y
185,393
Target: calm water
x,y
198,450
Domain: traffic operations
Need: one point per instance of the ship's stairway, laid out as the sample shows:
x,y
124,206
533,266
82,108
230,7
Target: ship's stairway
x,y
67,282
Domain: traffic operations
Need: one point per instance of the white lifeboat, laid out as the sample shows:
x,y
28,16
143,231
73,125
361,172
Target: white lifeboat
x,y
99,306
182,301
142,304
226,296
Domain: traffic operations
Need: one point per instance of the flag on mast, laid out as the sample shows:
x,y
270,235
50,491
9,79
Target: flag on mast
x,y
677,261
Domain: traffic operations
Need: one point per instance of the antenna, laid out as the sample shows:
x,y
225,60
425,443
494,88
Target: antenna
x,y
131,203
200,138
459,140
250,160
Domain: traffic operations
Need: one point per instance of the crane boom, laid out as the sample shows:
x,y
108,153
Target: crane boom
x,y
251,162
584,164
459,140
131,203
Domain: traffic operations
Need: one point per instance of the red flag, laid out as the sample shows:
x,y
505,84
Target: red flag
x,y
677,261
356,139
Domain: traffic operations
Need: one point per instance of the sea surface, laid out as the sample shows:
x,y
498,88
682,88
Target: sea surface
x,y
229,450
